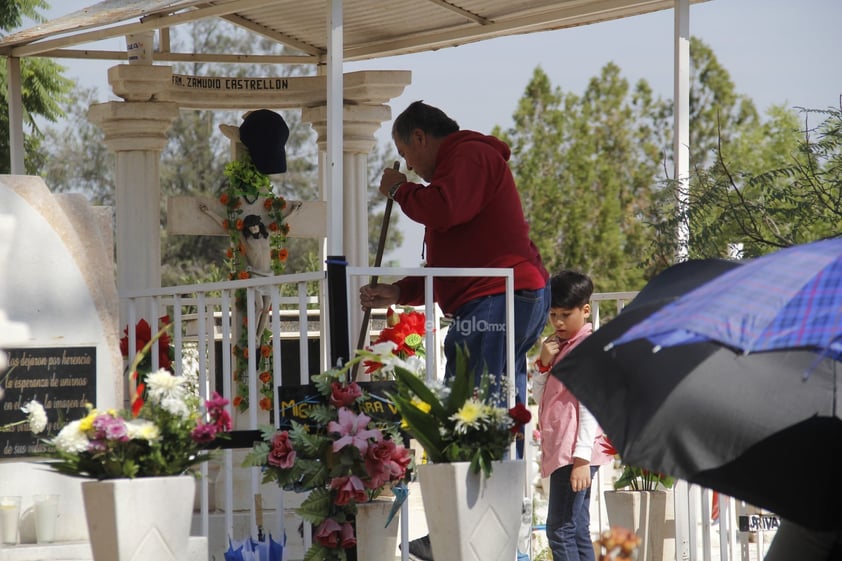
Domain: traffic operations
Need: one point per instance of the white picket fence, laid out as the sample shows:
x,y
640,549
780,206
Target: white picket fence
x,y
203,328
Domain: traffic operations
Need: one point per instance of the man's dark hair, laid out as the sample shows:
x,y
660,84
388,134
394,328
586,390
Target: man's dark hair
x,y
254,220
570,289
429,119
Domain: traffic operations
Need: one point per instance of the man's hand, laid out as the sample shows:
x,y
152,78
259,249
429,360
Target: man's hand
x,y
379,295
389,178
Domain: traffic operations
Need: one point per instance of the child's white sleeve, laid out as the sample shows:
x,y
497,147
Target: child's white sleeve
x,y
539,381
586,435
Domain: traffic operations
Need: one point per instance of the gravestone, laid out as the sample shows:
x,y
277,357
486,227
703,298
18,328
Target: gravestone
x,y
58,284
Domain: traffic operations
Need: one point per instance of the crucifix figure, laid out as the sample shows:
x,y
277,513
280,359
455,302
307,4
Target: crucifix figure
x,y
258,254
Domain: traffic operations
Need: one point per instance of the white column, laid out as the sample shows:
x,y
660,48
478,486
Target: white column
x,y
16,150
681,147
681,142
360,123
137,133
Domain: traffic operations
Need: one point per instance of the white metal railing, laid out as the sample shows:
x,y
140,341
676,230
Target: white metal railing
x,y
203,317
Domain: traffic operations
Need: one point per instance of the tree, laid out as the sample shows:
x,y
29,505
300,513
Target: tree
x,y
585,167
43,89
789,192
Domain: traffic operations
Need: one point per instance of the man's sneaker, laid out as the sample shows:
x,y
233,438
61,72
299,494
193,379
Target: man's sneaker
x,y
420,549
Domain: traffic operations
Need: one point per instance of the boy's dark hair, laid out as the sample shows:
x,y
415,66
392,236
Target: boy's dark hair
x,y
429,119
570,289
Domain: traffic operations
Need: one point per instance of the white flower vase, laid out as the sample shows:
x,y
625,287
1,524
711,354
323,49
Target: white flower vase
x,y
376,540
143,519
469,517
644,513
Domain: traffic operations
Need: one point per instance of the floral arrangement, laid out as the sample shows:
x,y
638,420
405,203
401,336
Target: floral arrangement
x,y
343,458
402,338
247,184
637,478
164,432
458,422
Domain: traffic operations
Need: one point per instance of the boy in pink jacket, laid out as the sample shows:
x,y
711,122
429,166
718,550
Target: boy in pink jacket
x,y
571,440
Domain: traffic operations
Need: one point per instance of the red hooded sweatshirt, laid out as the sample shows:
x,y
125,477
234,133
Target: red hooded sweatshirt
x,y
473,218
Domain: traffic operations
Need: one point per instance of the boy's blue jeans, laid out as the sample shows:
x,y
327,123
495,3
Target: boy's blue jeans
x,y
480,326
569,518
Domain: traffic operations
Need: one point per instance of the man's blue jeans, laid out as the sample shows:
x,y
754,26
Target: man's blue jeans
x,y
569,518
480,326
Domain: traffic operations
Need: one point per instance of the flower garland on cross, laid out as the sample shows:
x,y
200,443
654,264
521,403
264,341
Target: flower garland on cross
x,y
248,185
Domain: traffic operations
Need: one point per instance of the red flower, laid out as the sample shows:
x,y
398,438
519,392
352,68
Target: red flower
x,y
143,334
348,539
282,454
237,401
283,254
239,224
327,533
520,415
266,404
265,377
344,396
267,204
273,226
223,198
608,447
348,489
265,351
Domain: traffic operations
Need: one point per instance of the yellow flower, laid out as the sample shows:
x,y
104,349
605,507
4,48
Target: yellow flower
x,y
469,415
87,423
422,405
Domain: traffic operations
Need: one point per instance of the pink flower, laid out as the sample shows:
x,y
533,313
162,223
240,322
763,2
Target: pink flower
x,y
352,430
344,396
327,533
348,489
217,412
203,433
348,537
385,461
282,454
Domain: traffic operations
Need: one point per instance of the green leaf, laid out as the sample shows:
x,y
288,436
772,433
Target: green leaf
x,y
424,428
316,507
416,386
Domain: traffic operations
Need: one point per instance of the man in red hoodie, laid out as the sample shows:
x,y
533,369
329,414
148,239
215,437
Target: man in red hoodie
x,y
471,209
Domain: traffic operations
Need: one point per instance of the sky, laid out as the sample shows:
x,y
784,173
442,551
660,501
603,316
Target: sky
x,y
778,52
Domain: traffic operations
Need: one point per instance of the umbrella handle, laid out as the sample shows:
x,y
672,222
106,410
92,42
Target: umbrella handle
x,y
258,515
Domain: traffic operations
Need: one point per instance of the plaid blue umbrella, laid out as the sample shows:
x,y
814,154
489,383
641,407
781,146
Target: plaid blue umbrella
x,y
788,299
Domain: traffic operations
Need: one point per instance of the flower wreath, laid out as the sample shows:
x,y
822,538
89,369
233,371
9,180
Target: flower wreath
x,y
247,184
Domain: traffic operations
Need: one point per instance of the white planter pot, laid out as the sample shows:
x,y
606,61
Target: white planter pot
x,y
469,517
143,519
644,513
375,540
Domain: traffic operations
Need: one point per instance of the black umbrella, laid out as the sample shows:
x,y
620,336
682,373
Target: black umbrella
x,y
751,426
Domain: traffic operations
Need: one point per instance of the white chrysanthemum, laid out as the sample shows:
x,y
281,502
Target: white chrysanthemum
x,y
162,385
71,439
176,407
470,415
141,429
36,415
